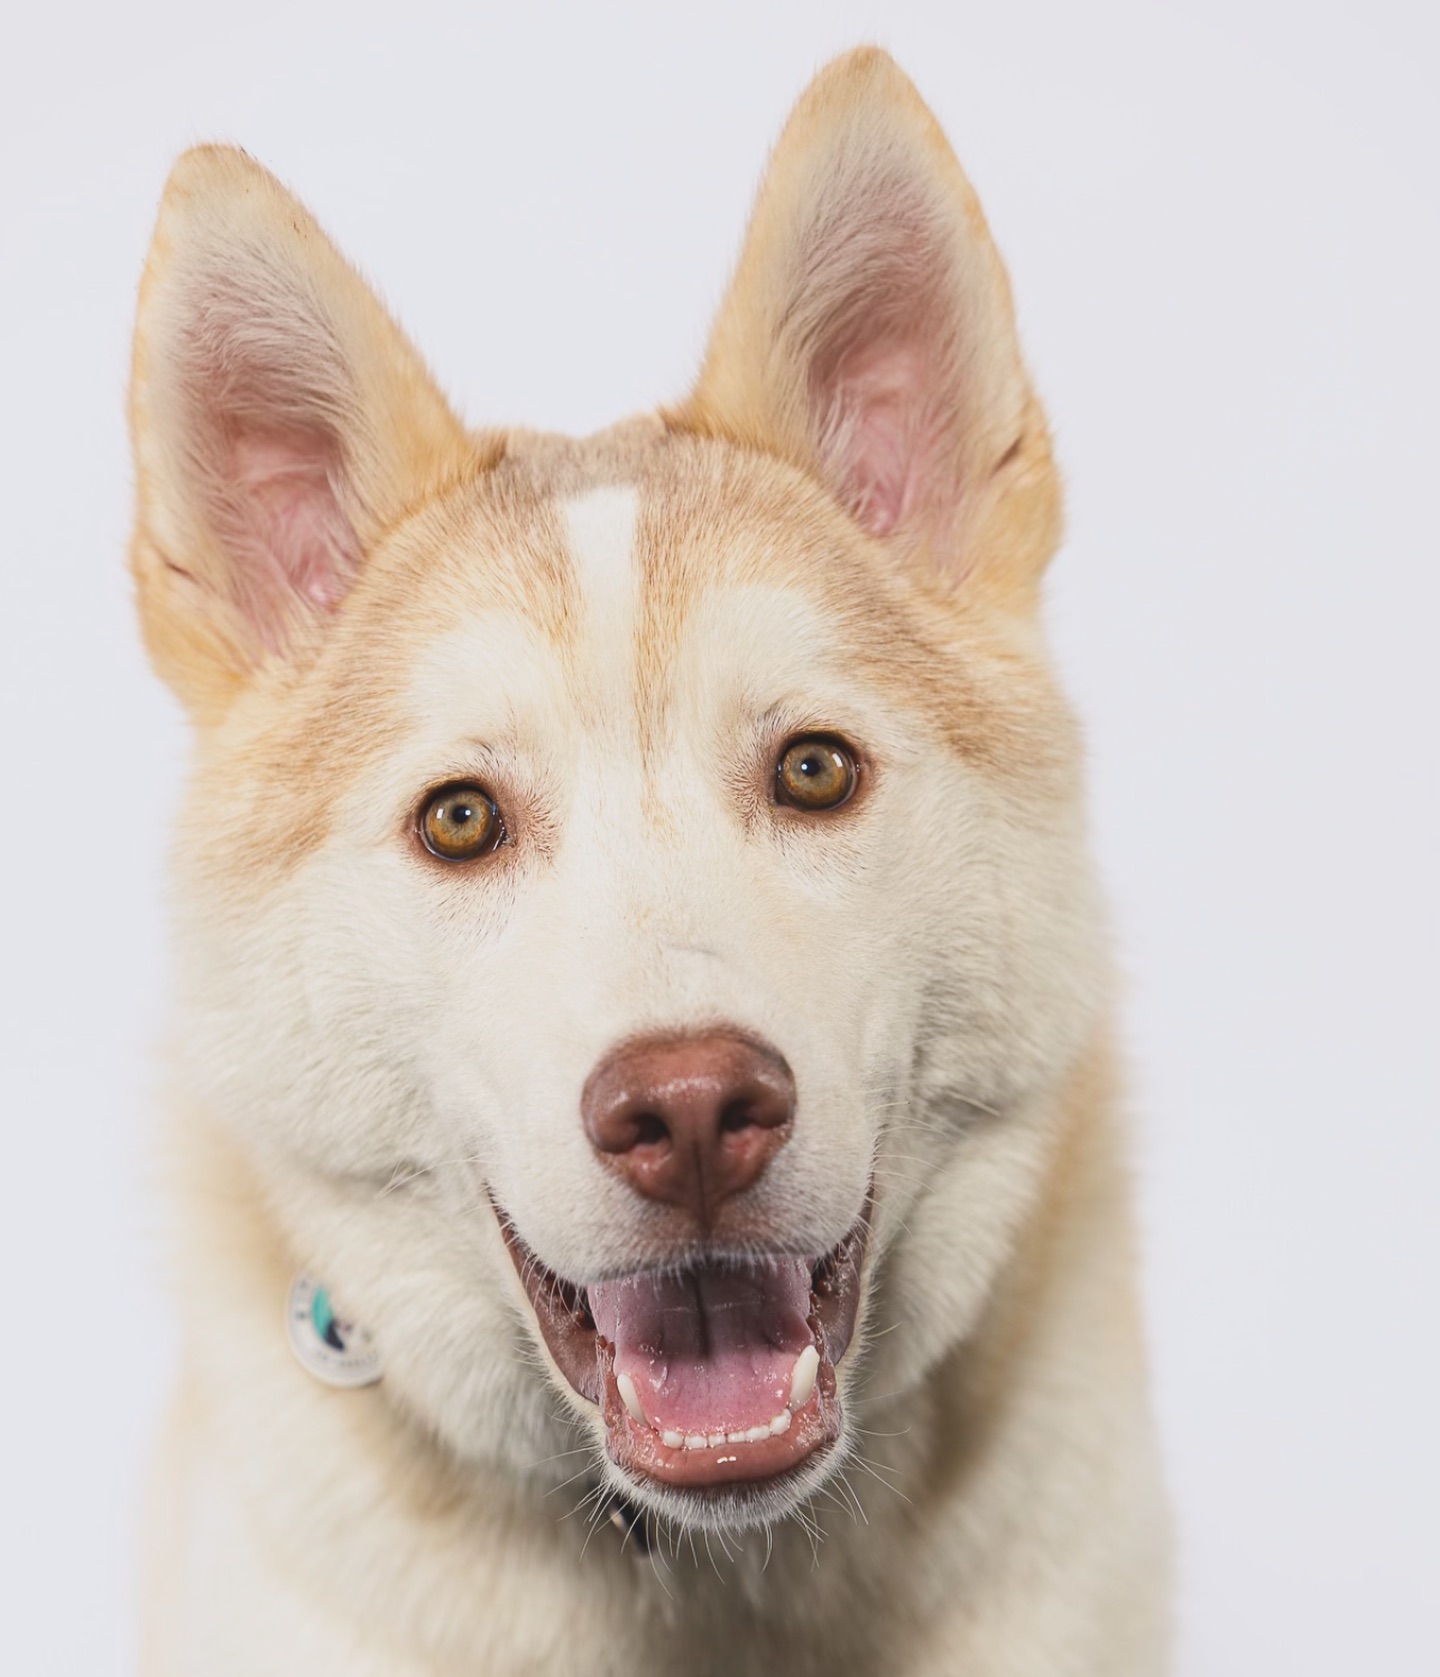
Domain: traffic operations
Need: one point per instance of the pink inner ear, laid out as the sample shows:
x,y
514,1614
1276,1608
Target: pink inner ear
x,y
288,532
877,433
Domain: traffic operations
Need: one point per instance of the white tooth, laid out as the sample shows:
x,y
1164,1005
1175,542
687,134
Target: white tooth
x,y
757,1435
696,1441
781,1423
630,1397
716,1438
741,1437
802,1377
672,1440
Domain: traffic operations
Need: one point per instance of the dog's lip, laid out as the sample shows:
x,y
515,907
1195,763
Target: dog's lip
x,y
586,1359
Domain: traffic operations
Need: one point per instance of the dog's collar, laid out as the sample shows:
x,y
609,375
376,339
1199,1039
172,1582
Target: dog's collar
x,y
339,1353
631,1523
335,1351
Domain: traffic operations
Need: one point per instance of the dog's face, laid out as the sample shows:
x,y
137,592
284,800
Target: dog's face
x,y
633,903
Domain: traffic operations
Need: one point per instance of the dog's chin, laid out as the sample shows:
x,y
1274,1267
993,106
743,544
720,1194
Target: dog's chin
x,y
715,1383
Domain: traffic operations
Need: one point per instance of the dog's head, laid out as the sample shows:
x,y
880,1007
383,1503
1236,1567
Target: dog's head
x,y
634,911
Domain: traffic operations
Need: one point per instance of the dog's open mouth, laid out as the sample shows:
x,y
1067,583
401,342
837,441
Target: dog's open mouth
x,y
712,1375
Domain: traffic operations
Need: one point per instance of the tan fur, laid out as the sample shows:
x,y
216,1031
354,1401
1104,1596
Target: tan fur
x,y
371,1046
749,388
404,443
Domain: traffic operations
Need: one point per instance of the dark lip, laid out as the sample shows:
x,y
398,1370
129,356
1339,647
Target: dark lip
x,y
584,1358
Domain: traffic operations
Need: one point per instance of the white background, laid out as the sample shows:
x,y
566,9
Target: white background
x,y
1223,235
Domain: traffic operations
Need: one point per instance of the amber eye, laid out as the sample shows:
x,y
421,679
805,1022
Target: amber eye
x,y
461,822
815,773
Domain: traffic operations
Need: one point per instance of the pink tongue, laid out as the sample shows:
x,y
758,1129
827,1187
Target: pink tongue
x,y
711,1350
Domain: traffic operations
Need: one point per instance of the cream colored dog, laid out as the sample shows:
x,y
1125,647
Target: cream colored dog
x,y
638,957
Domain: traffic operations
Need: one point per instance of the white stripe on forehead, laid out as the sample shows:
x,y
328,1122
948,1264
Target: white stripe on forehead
x,y
600,527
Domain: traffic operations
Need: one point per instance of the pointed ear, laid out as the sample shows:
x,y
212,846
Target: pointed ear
x,y
280,423
868,337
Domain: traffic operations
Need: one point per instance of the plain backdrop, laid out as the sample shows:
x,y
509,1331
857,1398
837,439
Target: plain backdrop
x,y
1222,229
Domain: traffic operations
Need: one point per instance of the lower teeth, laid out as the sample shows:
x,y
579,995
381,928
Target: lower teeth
x,y
802,1385
712,1441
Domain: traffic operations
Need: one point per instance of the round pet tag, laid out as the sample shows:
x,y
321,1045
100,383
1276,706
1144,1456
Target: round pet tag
x,y
334,1351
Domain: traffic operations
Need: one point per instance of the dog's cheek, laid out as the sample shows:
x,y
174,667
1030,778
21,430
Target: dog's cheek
x,y
308,1029
996,924
938,1273
432,1282
1006,931
304,1010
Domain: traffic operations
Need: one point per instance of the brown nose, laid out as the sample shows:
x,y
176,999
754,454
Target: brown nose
x,y
690,1121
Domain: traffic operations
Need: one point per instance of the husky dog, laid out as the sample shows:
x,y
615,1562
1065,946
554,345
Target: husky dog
x,y
642,994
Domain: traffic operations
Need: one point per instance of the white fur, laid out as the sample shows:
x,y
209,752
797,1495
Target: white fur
x,y
453,1020
601,530
374,1051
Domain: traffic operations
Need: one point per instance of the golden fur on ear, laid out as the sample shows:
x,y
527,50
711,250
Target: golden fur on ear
x,y
280,421
868,336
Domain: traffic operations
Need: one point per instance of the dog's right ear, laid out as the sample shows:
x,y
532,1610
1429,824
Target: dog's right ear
x,y
280,422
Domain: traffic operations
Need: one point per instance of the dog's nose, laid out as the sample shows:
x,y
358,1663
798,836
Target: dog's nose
x,y
690,1121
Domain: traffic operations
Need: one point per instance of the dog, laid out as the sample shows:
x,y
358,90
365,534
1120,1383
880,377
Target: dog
x,y
651,1191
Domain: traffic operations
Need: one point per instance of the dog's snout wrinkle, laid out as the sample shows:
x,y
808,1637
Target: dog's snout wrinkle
x,y
705,951
690,1121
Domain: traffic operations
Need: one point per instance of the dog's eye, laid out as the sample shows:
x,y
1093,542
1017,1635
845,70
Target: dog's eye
x,y
816,773
460,822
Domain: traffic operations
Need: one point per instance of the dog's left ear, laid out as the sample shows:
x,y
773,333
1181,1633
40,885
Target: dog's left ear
x,y
868,337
